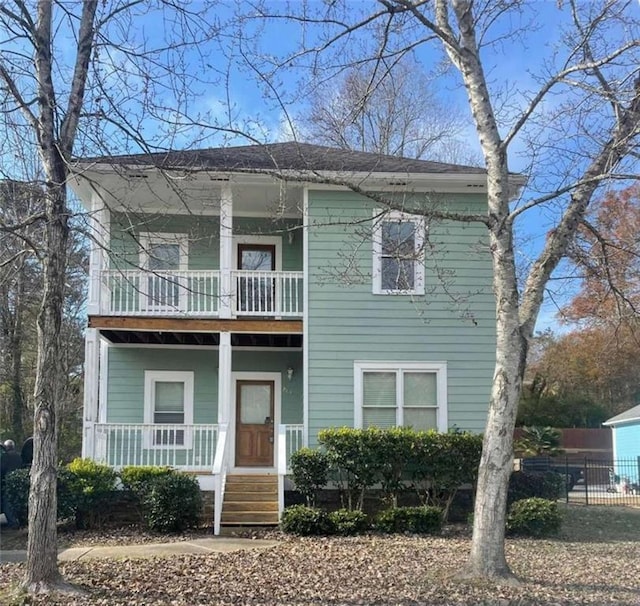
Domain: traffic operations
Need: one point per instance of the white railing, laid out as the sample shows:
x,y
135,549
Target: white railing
x,y
130,292
185,447
220,467
268,293
290,439
139,292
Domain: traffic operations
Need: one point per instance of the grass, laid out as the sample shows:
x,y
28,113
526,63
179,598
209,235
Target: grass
x,y
600,523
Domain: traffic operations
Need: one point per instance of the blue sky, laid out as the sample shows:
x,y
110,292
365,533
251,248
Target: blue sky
x,y
222,88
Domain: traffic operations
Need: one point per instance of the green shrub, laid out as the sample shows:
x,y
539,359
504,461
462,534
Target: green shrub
x,y
540,484
173,503
534,518
16,492
344,522
443,462
93,485
310,470
354,460
305,521
418,520
17,485
139,478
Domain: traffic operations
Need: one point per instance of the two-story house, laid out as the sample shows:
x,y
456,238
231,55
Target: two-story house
x,y
242,299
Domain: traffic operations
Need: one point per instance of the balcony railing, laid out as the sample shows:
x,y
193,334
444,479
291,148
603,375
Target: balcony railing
x,y
186,447
134,292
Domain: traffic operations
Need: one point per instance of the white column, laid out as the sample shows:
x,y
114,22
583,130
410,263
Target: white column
x,y
91,389
99,220
226,252
225,390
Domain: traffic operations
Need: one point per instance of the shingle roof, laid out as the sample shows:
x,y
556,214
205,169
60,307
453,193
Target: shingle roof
x,y
628,415
284,156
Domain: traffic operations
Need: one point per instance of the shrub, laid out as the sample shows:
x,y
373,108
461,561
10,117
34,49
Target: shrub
x,y
442,463
418,520
139,479
173,503
534,518
310,470
93,484
16,492
345,522
541,484
305,521
17,485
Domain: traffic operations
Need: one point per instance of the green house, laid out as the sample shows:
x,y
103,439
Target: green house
x,y
242,299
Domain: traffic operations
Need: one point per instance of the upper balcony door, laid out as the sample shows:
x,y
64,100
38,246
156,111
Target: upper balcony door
x,y
256,280
164,256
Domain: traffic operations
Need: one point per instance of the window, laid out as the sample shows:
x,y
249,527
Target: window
x,y
168,401
164,256
398,257
410,394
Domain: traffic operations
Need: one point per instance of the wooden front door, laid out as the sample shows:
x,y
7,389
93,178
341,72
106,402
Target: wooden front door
x,y
254,423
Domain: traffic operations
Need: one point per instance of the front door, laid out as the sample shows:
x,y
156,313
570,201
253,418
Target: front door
x,y
254,423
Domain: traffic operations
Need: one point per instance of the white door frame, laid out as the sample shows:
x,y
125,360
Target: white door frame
x,y
276,377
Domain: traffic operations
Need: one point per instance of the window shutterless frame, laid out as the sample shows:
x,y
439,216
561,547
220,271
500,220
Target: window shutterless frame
x,y
400,368
396,245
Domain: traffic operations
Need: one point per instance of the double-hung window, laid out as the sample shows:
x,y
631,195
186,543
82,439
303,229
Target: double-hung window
x,y
168,402
398,254
410,394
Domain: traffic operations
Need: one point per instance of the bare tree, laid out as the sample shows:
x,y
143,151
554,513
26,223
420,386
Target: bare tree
x,y
577,127
389,108
90,94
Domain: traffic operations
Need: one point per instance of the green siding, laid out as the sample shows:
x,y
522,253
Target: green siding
x,y
277,361
204,237
346,322
125,392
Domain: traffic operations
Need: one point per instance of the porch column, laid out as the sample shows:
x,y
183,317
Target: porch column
x,y
99,223
226,252
224,378
91,389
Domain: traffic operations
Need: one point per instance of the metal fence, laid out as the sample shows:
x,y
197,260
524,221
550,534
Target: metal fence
x,y
604,482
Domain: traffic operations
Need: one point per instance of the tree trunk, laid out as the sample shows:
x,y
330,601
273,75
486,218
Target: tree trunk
x,y
42,574
17,399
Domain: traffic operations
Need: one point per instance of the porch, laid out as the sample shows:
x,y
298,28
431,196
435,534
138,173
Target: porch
x,y
201,449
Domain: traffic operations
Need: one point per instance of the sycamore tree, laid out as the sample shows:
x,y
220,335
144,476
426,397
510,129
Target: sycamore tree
x,y
82,77
571,119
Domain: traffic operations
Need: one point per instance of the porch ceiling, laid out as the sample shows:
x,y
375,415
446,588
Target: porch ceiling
x,y
146,337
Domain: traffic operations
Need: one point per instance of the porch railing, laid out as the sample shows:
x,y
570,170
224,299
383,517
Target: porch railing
x,y
268,293
185,447
132,292
220,467
158,293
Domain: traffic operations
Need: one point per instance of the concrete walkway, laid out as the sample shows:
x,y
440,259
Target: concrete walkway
x,y
149,550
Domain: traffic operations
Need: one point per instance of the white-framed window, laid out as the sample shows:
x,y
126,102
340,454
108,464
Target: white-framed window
x,y
401,394
164,256
168,400
398,254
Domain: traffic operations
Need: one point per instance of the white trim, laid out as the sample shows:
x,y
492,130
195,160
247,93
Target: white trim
x,y
225,381
103,388
259,240
305,316
439,368
276,377
418,261
151,377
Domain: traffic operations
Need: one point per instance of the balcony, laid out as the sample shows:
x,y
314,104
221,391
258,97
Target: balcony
x,y
198,294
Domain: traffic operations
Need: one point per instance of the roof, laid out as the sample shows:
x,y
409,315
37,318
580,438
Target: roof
x,y
633,414
291,155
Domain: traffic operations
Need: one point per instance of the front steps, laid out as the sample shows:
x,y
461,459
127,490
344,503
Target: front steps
x,y
250,500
